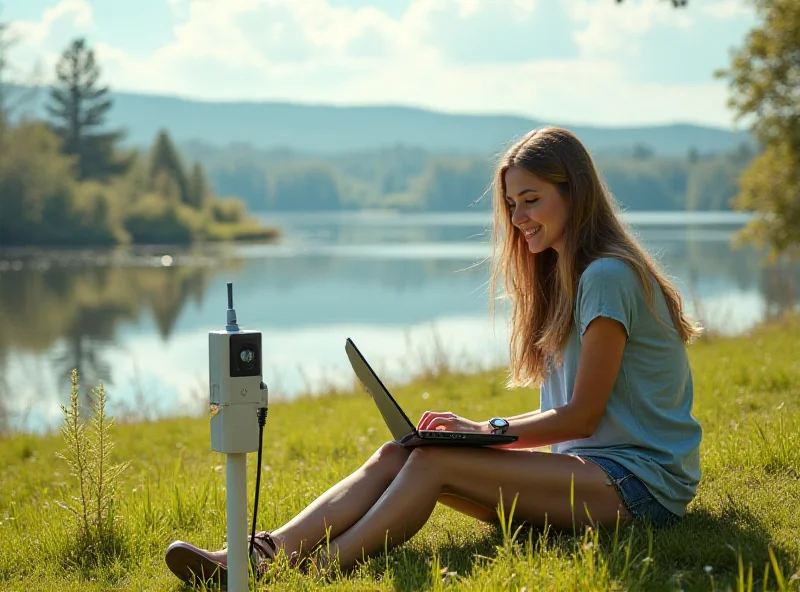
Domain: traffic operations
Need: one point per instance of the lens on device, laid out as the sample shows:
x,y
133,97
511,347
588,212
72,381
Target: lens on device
x,y
245,355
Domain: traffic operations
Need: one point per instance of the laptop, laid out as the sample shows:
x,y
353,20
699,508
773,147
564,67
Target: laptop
x,y
403,431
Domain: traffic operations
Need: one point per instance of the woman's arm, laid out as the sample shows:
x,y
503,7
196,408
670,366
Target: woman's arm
x,y
522,415
600,360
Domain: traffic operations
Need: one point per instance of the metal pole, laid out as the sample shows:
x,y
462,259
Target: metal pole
x,y
236,484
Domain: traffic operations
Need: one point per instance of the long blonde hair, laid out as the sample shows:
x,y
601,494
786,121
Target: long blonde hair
x,y
541,287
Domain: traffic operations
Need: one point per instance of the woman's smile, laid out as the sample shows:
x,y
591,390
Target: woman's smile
x,y
531,232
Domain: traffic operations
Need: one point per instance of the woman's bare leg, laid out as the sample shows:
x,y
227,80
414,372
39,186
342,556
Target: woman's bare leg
x,y
345,503
542,482
470,508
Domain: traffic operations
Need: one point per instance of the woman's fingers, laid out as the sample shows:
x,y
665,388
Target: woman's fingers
x,y
443,421
427,419
446,420
423,421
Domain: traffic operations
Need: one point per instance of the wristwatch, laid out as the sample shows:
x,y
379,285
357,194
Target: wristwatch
x,y
498,425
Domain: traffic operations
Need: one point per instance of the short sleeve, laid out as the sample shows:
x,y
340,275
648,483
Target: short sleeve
x,y
608,288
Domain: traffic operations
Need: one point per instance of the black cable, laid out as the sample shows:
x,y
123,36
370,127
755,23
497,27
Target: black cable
x,y
262,420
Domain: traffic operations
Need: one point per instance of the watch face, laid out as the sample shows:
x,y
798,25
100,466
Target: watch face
x,y
498,422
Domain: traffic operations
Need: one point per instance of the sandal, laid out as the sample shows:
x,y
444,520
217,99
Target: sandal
x,y
191,564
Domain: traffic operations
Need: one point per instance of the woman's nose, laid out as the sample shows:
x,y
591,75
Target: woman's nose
x,y
517,216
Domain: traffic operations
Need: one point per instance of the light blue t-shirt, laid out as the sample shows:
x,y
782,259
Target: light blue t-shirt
x,y
647,426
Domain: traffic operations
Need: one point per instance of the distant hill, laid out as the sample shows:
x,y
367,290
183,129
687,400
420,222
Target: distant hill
x,y
331,129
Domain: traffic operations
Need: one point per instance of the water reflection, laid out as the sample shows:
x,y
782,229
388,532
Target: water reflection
x,y
54,318
137,319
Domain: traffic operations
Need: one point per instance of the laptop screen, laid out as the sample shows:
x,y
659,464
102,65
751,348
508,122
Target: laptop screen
x,y
396,420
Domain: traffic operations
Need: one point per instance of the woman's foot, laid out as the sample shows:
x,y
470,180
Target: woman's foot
x,y
191,564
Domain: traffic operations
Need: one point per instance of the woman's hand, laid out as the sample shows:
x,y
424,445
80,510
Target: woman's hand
x,y
446,420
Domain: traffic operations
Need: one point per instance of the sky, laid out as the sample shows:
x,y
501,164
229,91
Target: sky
x,y
571,61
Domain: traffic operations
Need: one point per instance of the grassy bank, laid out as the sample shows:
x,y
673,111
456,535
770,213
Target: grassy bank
x,y
745,521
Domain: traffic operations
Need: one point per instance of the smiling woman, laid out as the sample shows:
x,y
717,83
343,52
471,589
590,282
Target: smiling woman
x,y
537,208
597,325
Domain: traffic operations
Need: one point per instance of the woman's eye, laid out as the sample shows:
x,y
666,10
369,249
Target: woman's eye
x,y
511,204
531,201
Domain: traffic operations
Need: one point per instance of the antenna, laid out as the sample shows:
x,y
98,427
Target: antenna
x,y
231,325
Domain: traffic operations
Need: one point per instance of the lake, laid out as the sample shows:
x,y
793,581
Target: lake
x,y
408,288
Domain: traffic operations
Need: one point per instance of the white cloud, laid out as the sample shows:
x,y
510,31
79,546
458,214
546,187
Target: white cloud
x,y
310,51
38,44
72,13
727,9
467,8
621,28
179,8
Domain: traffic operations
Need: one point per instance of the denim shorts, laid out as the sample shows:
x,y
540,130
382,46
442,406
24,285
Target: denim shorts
x,y
635,495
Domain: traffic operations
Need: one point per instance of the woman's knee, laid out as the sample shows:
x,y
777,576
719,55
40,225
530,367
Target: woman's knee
x,y
427,458
389,459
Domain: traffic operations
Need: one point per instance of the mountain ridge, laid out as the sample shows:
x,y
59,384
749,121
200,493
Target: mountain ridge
x,y
328,128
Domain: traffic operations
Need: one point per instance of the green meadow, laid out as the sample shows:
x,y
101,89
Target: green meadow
x,y
742,532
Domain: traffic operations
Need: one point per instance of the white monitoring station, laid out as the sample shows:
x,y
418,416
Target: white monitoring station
x,y
238,398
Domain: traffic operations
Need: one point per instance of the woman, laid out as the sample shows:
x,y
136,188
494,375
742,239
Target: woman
x,y
598,326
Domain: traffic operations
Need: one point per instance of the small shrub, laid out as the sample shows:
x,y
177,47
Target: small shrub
x,y
227,210
156,220
88,456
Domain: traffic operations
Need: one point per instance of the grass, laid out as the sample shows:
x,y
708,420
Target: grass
x,y
742,532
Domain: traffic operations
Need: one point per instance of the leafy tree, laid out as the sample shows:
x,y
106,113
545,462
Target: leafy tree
x,y
764,77
156,221
40,201
34,177
79,108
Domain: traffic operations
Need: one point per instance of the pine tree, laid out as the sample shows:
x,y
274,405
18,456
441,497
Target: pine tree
x,y
79,109
167,175
198,188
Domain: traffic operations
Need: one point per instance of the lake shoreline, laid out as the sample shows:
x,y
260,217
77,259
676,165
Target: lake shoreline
x,y
137,318
274,234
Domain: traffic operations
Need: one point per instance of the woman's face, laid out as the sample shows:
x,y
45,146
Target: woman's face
x,y
537,209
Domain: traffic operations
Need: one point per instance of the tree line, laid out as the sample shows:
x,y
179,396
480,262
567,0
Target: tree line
x,y
66,180
408,178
